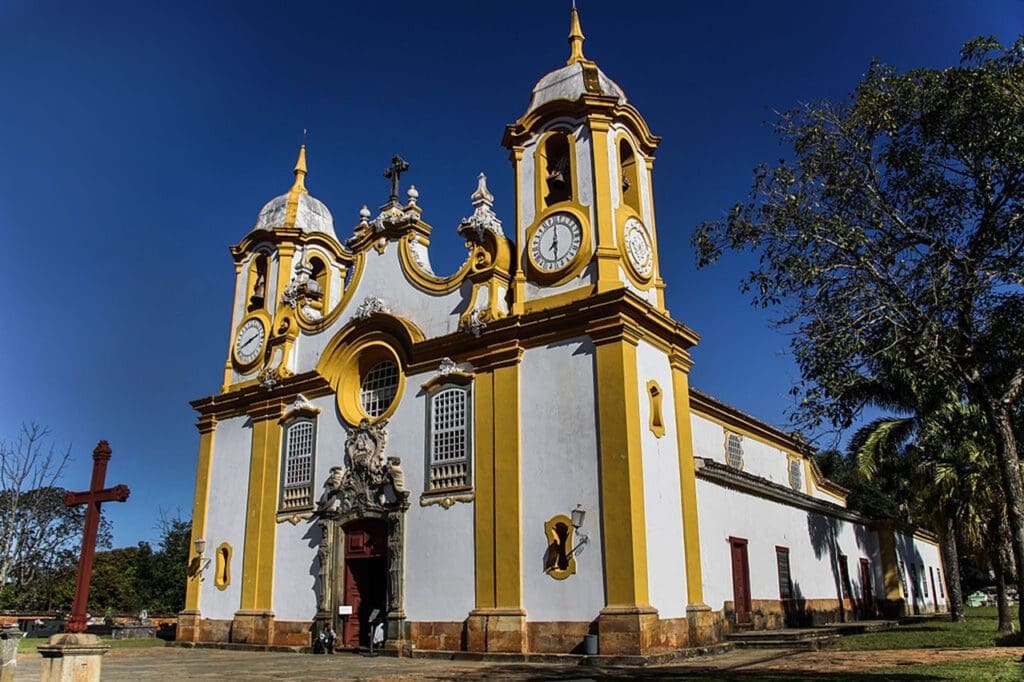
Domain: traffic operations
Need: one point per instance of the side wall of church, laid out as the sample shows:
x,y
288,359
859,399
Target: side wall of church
x,y
815,543
226,514
927,562
666,561
560,470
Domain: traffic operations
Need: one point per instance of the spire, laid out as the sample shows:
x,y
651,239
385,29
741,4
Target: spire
x,y
300,172
297,190
575,38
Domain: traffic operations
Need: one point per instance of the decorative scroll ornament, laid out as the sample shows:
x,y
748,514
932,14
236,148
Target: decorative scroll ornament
x,y
371,482
269,377
304,292
369,306
483,217
447,367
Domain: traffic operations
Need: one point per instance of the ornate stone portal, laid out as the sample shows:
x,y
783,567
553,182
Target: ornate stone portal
x,y
370,486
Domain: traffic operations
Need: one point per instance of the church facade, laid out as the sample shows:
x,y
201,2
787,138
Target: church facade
x,y
510,457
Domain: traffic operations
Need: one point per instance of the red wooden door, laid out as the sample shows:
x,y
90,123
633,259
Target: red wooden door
x,y
740,580
365,577
867,589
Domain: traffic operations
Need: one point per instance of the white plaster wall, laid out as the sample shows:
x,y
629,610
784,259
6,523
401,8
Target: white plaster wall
x,y
384,278
924,556
559,471
225,516
814,541
295,562
759,458
440,582
666,565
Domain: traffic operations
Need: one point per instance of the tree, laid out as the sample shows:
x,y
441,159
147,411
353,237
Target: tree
x,y
894,237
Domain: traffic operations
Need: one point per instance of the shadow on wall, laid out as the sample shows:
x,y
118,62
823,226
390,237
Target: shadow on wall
x,y
824,534
911,575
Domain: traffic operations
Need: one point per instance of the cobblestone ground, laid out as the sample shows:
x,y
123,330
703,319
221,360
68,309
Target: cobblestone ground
x,y
173,663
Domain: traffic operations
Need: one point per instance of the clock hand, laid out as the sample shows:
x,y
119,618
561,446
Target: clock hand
x,y
554,243
244,345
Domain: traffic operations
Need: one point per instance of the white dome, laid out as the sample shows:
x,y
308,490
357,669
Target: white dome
x,y
311,215
571,82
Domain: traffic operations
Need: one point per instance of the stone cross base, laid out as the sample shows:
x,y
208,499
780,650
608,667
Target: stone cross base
x,y
9,638
72,657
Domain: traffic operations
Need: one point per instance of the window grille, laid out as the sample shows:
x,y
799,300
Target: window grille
x,y
449,439
924,582
733,451
942,589
785,579
796,478
297,489
378,388
903,577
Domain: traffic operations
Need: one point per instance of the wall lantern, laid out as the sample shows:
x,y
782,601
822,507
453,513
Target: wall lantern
x,y
578,515
201,561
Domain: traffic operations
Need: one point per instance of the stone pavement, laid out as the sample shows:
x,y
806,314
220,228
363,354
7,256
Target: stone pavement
x,y
174,663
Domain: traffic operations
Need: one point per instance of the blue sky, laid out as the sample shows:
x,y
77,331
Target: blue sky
x,y
139,140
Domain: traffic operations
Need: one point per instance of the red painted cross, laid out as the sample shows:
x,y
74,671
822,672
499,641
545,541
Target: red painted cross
x,y
92,497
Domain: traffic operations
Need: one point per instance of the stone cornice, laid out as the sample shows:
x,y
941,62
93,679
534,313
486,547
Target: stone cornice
x,y
244,400
720,474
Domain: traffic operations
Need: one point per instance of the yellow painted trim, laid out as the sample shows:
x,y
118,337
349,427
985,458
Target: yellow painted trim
x,y
622,483
457,377
200,508
361,358
261,510
890,566
425,281
507,489
519,274
607,252
358,266
657,417
687,482
483,508
540,171
552,538
222,566
556,300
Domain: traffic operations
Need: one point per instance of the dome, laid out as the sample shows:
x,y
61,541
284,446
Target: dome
x,y
572,82
296,209
311,215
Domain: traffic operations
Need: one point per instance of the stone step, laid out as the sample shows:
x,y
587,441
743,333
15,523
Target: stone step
x,y
788,638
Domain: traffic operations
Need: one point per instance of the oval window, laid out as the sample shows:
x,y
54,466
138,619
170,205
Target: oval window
x,y
378,387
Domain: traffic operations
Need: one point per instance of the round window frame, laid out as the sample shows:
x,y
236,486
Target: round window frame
x,y
359,362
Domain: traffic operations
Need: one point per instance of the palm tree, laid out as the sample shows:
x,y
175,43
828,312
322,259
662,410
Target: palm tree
x,y
938,463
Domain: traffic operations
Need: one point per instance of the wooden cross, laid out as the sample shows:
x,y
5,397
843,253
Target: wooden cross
x,y
393,173
93,497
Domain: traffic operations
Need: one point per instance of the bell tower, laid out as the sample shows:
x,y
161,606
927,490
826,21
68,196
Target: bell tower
x,y
583,158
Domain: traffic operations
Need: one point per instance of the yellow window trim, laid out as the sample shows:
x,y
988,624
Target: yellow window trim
x,y
222,576
657,418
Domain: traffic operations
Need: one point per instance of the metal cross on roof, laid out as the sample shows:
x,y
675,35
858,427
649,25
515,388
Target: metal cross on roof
x,y
393,173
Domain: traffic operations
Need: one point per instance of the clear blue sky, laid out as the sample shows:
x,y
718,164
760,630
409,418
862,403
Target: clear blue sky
x,y
139,140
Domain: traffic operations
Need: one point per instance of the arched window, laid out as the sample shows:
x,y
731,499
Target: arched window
x,y
321,275
628,174
557,168
298,457
258,269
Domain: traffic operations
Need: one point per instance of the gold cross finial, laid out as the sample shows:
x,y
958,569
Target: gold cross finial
x,y
575,38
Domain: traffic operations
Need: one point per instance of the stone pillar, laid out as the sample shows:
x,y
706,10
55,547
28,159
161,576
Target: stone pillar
x,y
9,638
188,626
253,627
72,657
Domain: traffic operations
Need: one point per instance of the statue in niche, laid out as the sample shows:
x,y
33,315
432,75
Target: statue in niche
x,y
394,561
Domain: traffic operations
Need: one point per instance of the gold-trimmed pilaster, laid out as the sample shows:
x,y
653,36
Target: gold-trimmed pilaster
x,y
498,504
622,484
607,255
207,426
681,364
890,567
261,509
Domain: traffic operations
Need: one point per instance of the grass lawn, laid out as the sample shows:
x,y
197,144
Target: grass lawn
x,y
997,669
29,644
979,630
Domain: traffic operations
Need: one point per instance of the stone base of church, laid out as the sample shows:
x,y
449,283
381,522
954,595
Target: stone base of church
x,y
253,627
497,630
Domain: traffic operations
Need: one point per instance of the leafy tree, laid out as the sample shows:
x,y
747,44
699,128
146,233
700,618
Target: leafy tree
x,y
894,238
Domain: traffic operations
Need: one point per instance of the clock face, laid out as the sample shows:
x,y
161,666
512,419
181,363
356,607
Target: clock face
x,y
249,342
556,242
638,247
